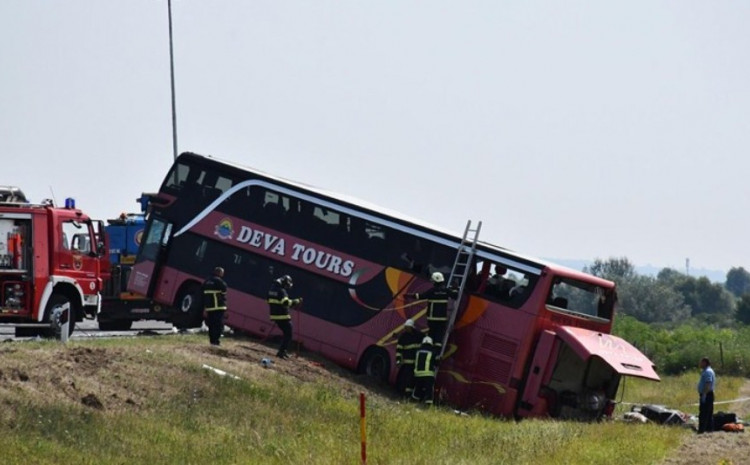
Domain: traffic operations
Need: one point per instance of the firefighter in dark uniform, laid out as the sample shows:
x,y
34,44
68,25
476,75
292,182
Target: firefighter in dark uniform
x,y
215,304
279,303
437,308
424,372
406,349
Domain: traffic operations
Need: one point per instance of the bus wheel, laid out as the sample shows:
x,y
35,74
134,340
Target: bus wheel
x,y
189,306
375,363
54,312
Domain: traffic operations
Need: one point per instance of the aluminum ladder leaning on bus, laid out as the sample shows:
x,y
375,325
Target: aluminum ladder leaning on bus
x,y
461,272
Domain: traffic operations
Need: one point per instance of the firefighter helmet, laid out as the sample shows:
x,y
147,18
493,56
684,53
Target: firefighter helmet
x,y
427,340
437,277
286,281
409,323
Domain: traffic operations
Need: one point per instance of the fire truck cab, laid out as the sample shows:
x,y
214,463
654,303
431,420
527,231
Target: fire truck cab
x,y
50,261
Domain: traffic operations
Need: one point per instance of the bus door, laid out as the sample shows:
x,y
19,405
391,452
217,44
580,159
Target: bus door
x,y
147,269
576,372
534,400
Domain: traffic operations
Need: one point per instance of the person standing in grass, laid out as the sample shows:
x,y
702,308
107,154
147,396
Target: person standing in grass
x,y
424,372
706,385
215,304
279,303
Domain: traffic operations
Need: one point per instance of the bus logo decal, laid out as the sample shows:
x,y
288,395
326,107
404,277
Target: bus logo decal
x,y
224,229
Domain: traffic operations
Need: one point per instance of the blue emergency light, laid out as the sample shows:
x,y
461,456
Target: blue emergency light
x,y
70,203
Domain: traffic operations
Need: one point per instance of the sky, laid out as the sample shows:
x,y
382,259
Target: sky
x,y
571,129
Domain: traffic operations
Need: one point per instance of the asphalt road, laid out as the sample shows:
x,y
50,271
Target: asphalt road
x,y
89,328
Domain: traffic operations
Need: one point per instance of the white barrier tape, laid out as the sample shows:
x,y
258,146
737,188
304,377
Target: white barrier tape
x,y
743,399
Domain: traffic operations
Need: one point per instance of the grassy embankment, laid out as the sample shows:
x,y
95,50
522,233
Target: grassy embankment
x,y
160,406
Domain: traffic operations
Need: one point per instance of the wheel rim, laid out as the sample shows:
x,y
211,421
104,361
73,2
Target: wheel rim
x,y
187,303
54,319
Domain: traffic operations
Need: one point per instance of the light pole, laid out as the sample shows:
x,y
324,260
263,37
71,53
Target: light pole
x,y
171,75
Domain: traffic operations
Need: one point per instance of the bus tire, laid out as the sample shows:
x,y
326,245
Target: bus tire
x,y
189,306
53,312
375,363
115,325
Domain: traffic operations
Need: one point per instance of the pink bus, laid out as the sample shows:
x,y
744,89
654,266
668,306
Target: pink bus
x,y
530,338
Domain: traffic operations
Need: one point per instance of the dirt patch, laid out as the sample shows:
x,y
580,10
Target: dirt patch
x,y
244,357
719,447
130,377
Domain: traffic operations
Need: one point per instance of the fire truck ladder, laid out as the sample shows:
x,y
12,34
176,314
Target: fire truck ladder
x,y
460,272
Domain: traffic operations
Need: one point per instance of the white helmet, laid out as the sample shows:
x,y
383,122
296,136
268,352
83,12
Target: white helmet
x,y
409,323
427,340
437,277
285,281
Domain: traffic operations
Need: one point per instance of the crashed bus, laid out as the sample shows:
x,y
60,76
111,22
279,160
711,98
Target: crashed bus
x,y
530,338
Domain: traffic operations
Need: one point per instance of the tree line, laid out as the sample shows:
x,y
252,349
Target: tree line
x,y
675,297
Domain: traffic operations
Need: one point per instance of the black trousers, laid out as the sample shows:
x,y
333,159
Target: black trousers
x,y
436,332
215,323
286,328
424,388
706,414
405,380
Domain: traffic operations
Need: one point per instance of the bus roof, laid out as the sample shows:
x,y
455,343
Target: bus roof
x,y
485,249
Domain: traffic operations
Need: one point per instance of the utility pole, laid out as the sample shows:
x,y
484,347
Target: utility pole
x,y
171,73
687,266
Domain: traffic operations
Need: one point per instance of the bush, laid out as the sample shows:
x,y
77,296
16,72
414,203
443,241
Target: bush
x,y
676,350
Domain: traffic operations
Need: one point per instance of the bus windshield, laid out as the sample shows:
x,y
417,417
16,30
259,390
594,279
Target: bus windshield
x,y
574,296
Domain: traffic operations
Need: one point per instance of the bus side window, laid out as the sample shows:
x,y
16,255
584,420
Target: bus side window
x,y
177,177
274,210
223,184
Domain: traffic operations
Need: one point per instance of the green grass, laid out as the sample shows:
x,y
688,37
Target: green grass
x,y
678,392
267,417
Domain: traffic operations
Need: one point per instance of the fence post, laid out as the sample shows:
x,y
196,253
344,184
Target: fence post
x,y
721,354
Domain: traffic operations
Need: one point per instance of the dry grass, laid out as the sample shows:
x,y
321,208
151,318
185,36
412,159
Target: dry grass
x,y
147,400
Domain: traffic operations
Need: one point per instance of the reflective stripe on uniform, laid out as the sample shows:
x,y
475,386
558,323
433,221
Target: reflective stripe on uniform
x,y
214,296
431,312
423,364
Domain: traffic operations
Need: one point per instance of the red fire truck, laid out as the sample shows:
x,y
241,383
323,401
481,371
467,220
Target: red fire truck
x,y
50,260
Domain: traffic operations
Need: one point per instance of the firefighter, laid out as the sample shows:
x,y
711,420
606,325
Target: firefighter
x,y
215,304
279,303
424,372
437,307
406,348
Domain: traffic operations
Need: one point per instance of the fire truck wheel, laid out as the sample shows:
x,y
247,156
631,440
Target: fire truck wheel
x,y
375,363
54,312
189,306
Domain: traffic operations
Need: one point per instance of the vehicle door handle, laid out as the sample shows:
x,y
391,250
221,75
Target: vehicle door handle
x,y
64,266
